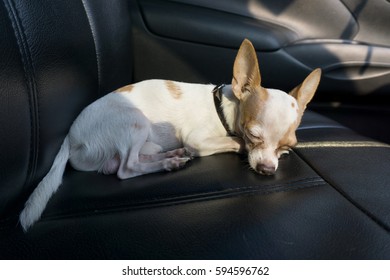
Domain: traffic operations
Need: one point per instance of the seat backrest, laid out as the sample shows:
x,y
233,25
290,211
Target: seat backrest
x,y
55,58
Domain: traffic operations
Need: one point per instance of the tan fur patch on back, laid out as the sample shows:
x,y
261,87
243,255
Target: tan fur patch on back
x,y
127,88
174,89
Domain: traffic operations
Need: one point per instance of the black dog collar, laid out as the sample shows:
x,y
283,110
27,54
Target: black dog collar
x,y
217,93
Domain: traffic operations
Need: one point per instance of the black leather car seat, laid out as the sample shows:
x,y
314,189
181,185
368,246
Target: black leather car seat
x,y
329,198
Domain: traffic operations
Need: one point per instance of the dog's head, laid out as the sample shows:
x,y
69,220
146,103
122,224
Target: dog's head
x,y
268,117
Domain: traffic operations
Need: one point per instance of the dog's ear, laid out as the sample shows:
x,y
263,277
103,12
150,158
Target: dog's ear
x,y
305,91
246,73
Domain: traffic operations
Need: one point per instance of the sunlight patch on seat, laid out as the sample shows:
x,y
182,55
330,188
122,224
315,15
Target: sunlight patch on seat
x,y
342,144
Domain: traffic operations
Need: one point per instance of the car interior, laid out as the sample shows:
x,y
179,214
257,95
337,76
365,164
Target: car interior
x,y
329,198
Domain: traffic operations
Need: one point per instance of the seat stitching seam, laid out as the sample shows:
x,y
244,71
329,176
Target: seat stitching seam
x,y
27,62
124,208
345,195
209,195
94,37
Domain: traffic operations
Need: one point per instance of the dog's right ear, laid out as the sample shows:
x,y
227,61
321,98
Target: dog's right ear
x,y
246,72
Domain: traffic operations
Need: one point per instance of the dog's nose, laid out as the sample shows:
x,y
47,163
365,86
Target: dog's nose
x,y
265,169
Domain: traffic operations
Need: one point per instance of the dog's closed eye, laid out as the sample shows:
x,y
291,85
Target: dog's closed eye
x,y
255,137
254,134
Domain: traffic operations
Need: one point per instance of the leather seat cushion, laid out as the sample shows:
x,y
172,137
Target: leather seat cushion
x,y
218,208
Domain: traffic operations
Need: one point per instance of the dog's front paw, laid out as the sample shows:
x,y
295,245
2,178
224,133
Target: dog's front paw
x,y
175,163
181,153
282,152
188,153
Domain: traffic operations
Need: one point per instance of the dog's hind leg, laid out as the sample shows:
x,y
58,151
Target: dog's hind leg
x,y
150,148
181,153
134,164
111,166
130,168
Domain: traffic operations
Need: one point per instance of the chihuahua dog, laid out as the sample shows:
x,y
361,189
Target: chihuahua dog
x,y
159,125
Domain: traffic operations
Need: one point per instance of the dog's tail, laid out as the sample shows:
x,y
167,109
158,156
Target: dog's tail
x,y
38,200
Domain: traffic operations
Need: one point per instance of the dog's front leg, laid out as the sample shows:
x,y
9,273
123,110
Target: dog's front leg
x,y
216,145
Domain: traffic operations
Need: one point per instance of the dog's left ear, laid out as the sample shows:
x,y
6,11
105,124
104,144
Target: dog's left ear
x,y
305,91
246,73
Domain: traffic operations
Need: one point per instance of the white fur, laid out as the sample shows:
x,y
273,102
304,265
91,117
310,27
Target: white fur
x,y
278,111
45,189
